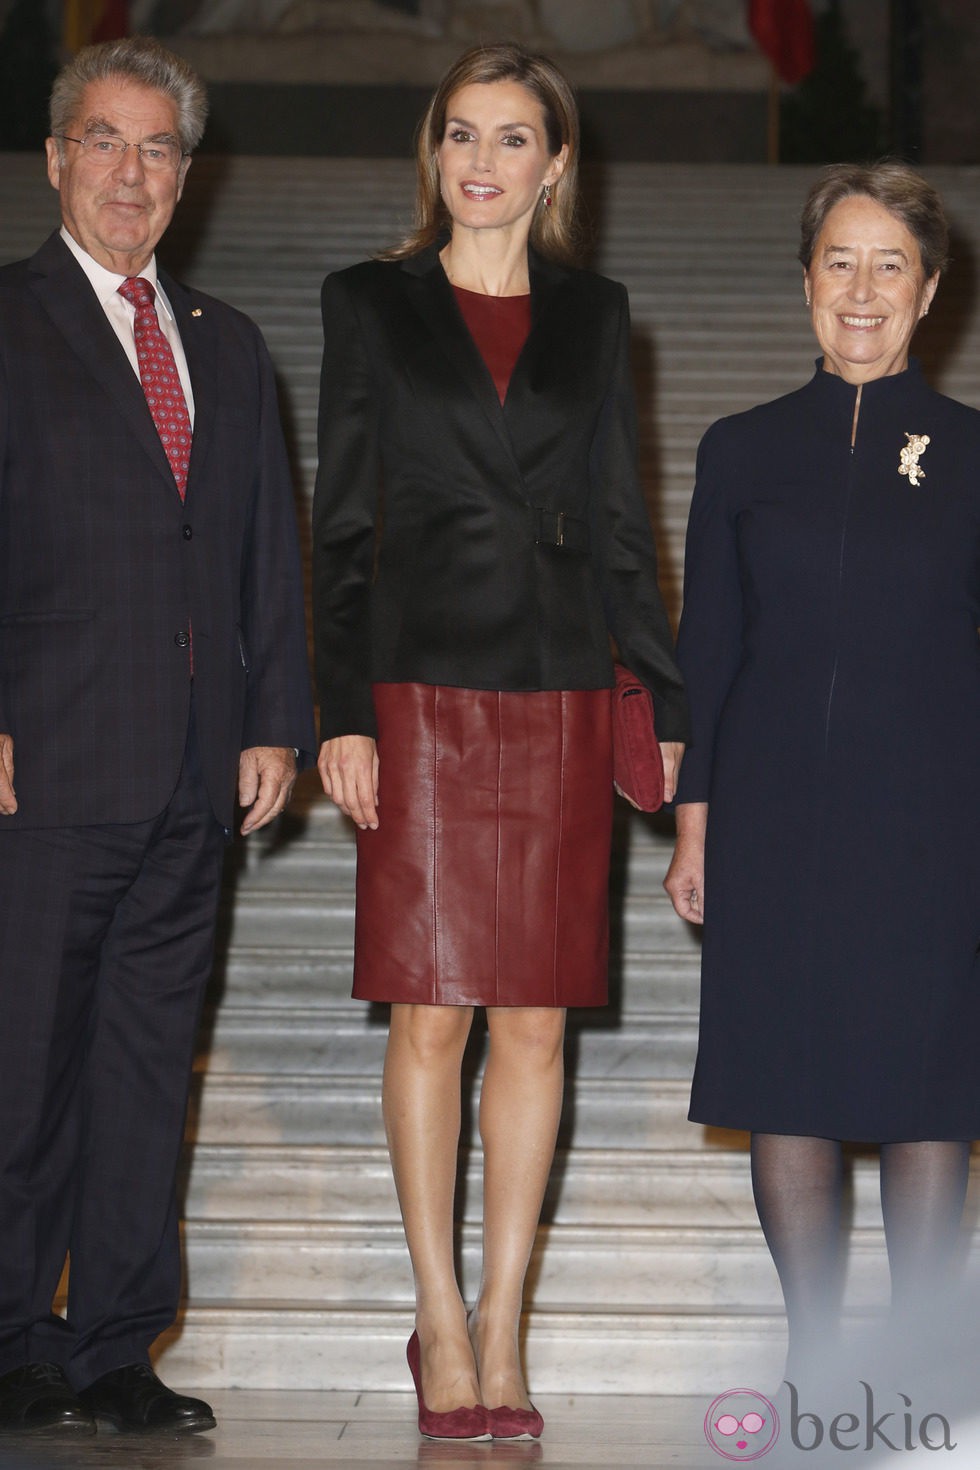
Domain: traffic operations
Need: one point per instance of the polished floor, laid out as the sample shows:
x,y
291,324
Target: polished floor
x,y
376,1431
304,1430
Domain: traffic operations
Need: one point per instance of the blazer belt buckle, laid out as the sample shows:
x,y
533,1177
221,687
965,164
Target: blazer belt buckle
x,y
555,528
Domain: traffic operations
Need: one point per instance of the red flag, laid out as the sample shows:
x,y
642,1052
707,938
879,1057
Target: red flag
x,y
783,30
114,21
85,21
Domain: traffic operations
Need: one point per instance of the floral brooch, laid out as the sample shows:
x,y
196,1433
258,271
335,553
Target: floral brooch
x,y
909,458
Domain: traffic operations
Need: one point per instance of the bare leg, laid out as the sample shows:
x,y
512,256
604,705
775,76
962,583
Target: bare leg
x,y
797,1186
520,1106
923,1187
421,1103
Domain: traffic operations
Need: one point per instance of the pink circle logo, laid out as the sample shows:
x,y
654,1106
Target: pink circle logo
x,y
741,1425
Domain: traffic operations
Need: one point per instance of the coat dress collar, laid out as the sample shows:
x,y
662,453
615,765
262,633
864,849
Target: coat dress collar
x,y
892,388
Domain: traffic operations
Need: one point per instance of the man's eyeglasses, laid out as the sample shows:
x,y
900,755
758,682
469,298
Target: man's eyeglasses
x,y
108,149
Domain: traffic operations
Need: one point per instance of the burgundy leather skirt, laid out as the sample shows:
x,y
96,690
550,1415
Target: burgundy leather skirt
x,y
486,882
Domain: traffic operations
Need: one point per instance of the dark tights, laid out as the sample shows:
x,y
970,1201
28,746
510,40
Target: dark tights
x,y
797,1186
923,1188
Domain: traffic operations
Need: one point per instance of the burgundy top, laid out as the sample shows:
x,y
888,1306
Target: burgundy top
x,y
499,326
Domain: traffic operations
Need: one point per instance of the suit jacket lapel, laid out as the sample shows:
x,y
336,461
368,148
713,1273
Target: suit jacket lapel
x,y
197,339
72,305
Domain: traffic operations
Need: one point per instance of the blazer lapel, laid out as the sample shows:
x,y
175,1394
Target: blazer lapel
x,y
198,341
72,305
432,296
538,355
546,277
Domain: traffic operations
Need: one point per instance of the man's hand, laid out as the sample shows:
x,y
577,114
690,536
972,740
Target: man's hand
x,y
266,774
8,801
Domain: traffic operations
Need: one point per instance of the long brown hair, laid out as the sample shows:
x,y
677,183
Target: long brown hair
x,y
554,229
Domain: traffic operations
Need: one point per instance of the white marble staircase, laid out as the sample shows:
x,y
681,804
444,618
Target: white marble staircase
x,y
650,1273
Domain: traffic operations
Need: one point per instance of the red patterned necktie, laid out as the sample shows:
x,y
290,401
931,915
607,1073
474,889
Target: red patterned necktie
x,y
160,379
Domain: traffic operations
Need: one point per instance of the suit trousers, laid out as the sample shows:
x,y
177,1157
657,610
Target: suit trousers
x,y
106,946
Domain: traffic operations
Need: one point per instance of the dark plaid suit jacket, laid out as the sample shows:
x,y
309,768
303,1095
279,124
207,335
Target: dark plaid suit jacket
x,y
103,570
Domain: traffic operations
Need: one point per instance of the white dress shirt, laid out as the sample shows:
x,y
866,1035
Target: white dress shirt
x,y
122,315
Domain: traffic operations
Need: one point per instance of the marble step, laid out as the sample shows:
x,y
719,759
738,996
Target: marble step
x,y
310,813
319,857
310,817
265,914
318,874
283,975
602,1267
703,1183
286,976
278,1108
282,1345
615,1118
332,1040
320,1182
598,1266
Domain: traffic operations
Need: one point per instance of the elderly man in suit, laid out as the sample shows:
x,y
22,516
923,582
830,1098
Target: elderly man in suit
x,y
152,666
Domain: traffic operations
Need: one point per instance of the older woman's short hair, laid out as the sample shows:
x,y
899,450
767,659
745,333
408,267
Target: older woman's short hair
x,y
893,185
138,59
553,230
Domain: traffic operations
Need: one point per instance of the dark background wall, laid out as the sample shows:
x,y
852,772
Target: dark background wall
x,y
663,80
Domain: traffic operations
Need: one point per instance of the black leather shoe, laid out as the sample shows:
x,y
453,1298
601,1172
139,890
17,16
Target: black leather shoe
x,y
132,1400
38,1399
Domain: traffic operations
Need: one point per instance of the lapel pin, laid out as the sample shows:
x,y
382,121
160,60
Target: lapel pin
x,y
197,311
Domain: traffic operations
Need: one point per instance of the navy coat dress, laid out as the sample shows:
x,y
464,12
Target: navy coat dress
x,y
829,643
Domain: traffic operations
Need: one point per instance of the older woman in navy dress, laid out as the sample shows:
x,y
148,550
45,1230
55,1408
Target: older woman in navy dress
x,y
828,810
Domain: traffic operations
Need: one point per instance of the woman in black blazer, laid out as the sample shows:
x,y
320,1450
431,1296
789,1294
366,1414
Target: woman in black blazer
x,y
479,532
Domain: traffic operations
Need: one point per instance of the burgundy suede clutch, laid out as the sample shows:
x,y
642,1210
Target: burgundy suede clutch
x,y
638,767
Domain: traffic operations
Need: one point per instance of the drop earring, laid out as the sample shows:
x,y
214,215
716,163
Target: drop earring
x,y
547,196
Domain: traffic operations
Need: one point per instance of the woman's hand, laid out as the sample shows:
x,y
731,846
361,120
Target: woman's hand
x,y
348,766
673,753
685,876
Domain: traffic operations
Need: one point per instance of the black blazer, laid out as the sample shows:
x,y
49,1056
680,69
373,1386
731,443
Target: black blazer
x,y
470,586
102,568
